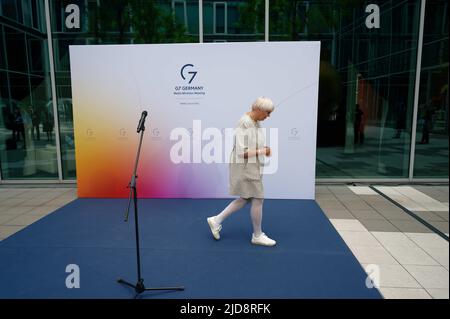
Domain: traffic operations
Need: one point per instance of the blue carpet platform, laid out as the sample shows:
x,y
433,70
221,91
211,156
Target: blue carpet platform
x,y
310,259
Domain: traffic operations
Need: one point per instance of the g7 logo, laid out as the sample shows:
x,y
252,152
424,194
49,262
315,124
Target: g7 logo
x,y
193,73
122,132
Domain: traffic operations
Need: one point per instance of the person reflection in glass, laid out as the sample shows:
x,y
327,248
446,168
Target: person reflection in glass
x,y
358,126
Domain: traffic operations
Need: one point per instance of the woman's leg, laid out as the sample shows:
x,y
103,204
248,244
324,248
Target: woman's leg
x,y
256,214
230,209
215,222
259,238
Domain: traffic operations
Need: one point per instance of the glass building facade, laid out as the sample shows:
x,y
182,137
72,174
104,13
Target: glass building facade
x,y
383,91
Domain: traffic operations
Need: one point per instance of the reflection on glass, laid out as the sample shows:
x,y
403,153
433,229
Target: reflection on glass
x,y
431,155
366,86
27,137
233,21
219,18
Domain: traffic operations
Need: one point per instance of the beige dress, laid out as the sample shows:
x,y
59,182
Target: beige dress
x,y
245,174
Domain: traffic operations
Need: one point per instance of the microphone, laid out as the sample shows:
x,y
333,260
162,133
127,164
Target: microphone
x,y
141,122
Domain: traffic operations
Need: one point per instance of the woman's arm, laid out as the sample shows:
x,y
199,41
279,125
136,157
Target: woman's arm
x,y
261,151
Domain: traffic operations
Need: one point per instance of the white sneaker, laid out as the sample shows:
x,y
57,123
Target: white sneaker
x,y
215,228
263,240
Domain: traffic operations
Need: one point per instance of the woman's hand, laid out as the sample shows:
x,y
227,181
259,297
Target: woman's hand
x,y
266,151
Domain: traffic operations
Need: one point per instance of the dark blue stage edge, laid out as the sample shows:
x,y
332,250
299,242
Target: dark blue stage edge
x,y
310,260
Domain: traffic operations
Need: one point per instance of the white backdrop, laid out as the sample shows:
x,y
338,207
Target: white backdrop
x,y
114,83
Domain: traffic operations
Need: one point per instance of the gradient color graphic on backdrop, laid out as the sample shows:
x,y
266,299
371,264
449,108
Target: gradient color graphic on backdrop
x,y
178,84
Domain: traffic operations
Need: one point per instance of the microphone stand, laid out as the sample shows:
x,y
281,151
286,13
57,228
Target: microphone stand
x,y
139,287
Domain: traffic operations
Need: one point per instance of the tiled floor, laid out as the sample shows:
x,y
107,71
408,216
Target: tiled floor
x,y
20,207
411,260
402,256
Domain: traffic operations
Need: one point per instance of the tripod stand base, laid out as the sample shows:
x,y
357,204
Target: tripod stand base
x,y
140,288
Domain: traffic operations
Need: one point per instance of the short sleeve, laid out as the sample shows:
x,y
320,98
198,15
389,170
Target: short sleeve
x,y
244,136
241,141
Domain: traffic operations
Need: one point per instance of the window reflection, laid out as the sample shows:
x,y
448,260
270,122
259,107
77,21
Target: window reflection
x,y
431,158
366,86
27,137
233,21
366,89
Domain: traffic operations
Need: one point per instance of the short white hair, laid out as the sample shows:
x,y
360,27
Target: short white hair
x,y
263,103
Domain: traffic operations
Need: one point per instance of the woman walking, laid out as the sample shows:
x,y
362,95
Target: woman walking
x,y
245,171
